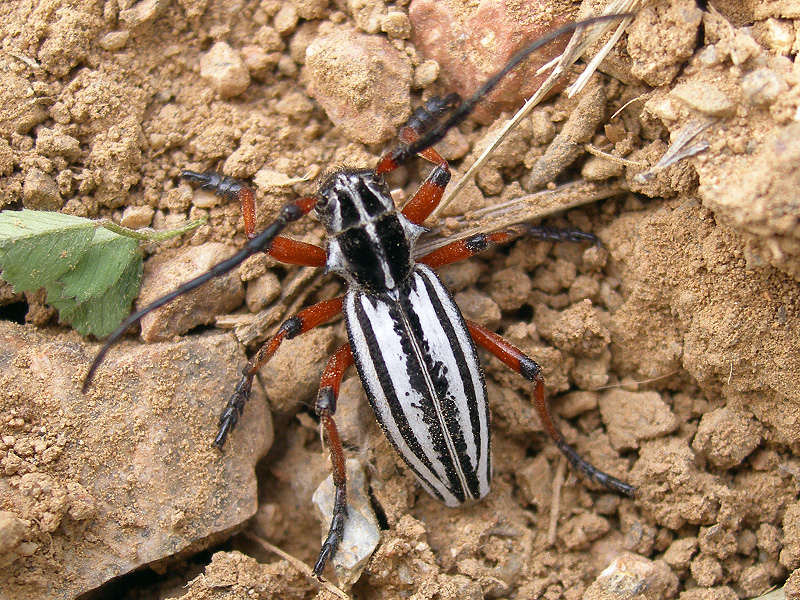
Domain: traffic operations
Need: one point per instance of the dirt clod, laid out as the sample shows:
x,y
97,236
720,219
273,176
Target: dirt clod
x,y
363,83
225,70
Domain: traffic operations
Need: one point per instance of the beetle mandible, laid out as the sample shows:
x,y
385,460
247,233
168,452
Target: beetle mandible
x,y
413,350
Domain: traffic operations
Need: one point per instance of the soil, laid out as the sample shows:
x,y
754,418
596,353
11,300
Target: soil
x,y
670,352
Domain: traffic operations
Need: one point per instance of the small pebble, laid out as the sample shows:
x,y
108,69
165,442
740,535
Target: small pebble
x,y
225,70
425,74
143,11
286,19
762,87
53,143
777,35
396,25
726,437
680,552
262,291
164,273
362,81
114,40
704,97
632,417
40,191
629,576
597,168
136,217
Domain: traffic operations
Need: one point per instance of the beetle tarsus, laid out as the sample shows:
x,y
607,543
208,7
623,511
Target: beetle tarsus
x,y
233,410
221,185
335,534
593,473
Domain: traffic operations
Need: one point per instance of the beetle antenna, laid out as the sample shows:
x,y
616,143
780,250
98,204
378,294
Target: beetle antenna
x,y
260,243
463,110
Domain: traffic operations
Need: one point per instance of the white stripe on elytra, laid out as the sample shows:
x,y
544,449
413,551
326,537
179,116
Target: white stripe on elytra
x,y
454,316
393,356
439,345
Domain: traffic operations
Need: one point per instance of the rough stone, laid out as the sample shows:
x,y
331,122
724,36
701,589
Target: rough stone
x,y
292,376
124,475
362,82
473,41
704,97
164,274
633,576
726,437
224,68
632,417
40,191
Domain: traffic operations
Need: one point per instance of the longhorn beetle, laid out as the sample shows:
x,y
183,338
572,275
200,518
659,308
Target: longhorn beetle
x,y
414,351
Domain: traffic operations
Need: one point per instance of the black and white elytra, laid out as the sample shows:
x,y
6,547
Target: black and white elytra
x,y
411,345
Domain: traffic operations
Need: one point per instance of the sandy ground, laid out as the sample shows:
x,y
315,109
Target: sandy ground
x,y
670,354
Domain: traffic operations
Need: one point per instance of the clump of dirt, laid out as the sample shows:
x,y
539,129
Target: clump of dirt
x,y
670,351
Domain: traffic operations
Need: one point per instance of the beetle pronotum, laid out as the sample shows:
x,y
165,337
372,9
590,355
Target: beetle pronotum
x,y
414,351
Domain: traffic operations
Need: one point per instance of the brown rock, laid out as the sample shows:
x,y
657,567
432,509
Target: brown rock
x,y
363,82
473,41
162,275
126,474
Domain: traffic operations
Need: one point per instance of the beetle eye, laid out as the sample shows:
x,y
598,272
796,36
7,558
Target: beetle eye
x,y
324,203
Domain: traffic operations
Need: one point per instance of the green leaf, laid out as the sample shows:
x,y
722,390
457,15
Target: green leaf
x,y
98,315
36,248
90,269
105,260
91,274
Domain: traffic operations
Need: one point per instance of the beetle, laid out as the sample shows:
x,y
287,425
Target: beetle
x,y
415,353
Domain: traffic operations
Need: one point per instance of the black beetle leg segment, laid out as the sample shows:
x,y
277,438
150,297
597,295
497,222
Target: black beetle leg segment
x,y
325,408
518,361
428,196
302,322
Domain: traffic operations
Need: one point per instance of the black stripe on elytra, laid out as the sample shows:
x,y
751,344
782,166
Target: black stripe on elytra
x,y
438,295
363,323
